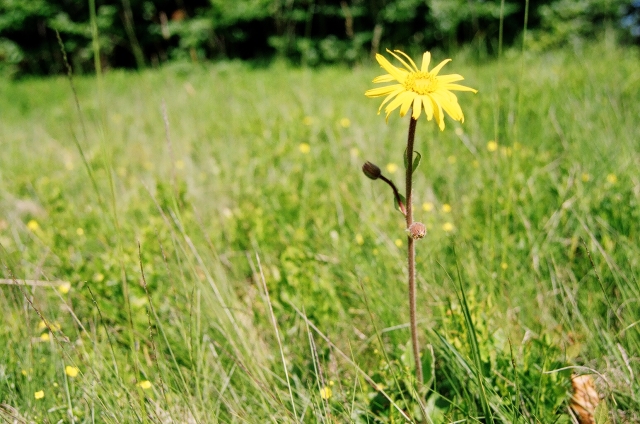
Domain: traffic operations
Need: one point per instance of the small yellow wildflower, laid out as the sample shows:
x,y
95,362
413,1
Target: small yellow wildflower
x,y
39,394
345,123
504,265
145,384
42,325
308,120
179,164
359,239
451,159
392,168
427,206
419,89
326,393
612,178
79,231
398,242
45,337
354,152
24,372
492,146
448,227
64,287
304,148
585,177
98,277
33,225
331,383
446,208
71,371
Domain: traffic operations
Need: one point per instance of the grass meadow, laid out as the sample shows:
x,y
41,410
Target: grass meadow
x,y
197,244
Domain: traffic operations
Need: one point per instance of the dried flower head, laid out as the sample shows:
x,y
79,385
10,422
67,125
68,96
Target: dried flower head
x,y
417,230
585,398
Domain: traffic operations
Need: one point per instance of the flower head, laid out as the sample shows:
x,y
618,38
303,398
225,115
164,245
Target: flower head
x,y
371,170
71,371
145,384
419,89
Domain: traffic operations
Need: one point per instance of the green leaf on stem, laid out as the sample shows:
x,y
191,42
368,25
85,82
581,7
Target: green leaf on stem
x,y
416,161
398,207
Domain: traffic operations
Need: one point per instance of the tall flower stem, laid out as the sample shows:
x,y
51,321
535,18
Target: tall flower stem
x,y
411,252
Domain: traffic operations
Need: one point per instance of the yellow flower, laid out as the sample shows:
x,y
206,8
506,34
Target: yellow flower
x,y
612,179
326,392
427,206
33,225
39,394
354,152
392,168
345,122
304,148
448,227
359,239
145,384
586,177
71,371
398,242
45,337
64,287
418,89
492,146
446,208
308,120
504,265
451,159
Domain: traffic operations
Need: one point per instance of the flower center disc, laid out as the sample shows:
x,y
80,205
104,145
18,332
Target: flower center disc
x,y
420,82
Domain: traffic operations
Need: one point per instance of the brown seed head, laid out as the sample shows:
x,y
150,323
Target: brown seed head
x,y
585,398
371,171
417,230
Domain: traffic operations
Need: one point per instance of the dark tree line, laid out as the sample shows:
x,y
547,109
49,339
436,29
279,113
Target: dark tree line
x,y
141,33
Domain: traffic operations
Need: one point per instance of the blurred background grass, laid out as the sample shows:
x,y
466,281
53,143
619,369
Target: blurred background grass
x,y
166,238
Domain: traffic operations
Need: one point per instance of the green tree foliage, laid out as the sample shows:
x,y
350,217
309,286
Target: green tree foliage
x,y
138,33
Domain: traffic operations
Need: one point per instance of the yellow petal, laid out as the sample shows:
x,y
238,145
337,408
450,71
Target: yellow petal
x,y
406,104
445,79
406,65
437,113
385,78
381,91
449,105
389,97
413,64
428,107
397,102
426,59
417,107
459,87
435,70
397,73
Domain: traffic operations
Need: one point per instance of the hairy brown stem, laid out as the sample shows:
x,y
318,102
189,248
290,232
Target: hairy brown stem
x,y
411,253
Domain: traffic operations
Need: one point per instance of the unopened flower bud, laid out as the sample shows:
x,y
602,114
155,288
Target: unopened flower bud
x,y
417,230
371,170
